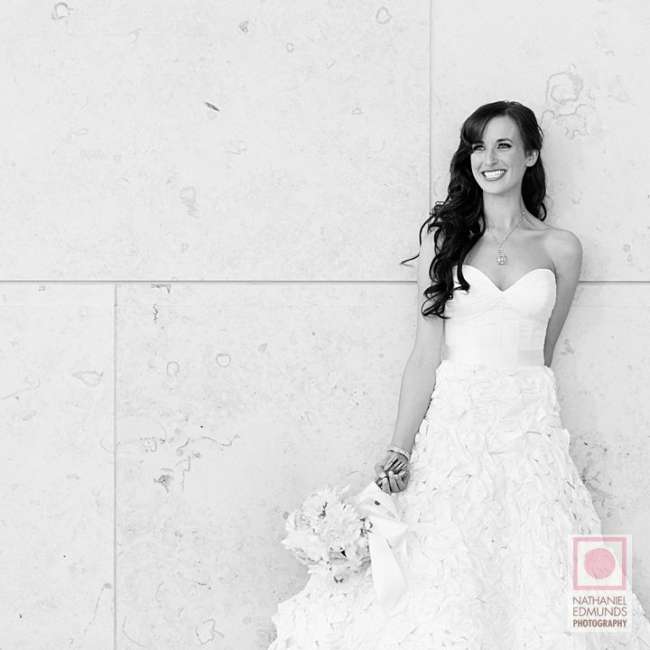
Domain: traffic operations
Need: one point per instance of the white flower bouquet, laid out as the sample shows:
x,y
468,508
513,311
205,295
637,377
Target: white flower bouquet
x,y
339,537
329,535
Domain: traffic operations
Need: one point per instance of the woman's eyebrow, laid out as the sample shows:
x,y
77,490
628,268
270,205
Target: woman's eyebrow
x,y
498,140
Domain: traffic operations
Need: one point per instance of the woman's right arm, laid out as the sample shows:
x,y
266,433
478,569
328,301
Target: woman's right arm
x,y
418,379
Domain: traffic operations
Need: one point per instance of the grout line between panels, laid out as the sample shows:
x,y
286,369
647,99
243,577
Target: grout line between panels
x,y
263,282
114,466
430,116
177,281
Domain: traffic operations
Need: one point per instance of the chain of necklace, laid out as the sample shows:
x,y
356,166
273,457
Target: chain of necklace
x,y
502,258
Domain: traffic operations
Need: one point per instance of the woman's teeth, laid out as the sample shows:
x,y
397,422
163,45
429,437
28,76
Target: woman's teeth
x,y
492,176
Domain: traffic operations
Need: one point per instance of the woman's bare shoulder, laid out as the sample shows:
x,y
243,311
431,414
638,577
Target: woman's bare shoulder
x,y
562,238
564,247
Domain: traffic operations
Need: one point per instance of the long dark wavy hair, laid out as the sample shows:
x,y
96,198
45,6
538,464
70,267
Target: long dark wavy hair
x,y
459,219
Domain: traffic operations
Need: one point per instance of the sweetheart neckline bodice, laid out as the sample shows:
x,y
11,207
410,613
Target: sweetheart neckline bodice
x,y
515,283
496,326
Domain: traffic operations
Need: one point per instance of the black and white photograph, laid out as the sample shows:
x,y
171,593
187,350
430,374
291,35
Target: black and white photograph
x,y
325,325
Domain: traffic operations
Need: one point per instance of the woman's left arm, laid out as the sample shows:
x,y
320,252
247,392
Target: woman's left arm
x,y
565,250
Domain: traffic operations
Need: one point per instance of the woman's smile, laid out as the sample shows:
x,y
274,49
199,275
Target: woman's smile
x,y
494,175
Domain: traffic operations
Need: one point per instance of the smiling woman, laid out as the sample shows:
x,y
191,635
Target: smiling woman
x,y
495,195
488,495
501,157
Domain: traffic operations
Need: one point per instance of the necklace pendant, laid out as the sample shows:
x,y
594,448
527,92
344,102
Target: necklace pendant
x,y
502,258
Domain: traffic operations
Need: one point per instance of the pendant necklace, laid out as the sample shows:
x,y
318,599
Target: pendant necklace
x,y
502,258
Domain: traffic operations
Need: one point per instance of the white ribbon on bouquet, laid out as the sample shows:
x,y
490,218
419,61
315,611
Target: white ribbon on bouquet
x,y
388,535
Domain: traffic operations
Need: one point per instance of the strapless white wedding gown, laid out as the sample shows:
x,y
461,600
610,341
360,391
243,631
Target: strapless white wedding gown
x,y
492,499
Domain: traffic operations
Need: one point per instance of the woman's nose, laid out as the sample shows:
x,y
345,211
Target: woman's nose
x,y
491,155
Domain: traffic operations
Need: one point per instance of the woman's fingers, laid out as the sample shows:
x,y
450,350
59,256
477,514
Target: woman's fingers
x,y
396,463
400,481
393,483
392,478
392,464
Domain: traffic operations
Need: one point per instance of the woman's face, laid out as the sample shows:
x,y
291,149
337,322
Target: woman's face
x,y
501,150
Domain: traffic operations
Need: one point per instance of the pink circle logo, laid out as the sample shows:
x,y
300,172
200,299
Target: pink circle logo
x,y
599,563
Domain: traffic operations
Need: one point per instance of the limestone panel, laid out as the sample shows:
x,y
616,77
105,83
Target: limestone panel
x,y
56,478
213,140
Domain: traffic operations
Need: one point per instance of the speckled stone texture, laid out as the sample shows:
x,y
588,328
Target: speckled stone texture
x,y
57,460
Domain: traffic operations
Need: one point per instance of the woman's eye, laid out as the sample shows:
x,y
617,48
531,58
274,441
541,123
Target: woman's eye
x,y
480,146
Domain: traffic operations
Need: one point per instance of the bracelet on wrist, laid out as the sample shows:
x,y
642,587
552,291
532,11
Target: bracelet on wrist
x,y
399,450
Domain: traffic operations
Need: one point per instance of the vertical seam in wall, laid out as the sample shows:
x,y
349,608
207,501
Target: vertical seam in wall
x,y
430,116
115,466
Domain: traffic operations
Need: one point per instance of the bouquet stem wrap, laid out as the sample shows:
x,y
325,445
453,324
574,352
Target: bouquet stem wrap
x,y
387,535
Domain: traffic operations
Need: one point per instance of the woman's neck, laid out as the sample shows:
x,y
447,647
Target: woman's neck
x,y
502,213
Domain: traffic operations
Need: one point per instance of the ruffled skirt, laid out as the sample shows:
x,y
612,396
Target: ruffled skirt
x,y
492,498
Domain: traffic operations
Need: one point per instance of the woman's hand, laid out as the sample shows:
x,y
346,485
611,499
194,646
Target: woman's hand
x,y
392,473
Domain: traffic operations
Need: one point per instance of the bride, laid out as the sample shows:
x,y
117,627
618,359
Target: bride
x,y
478,466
